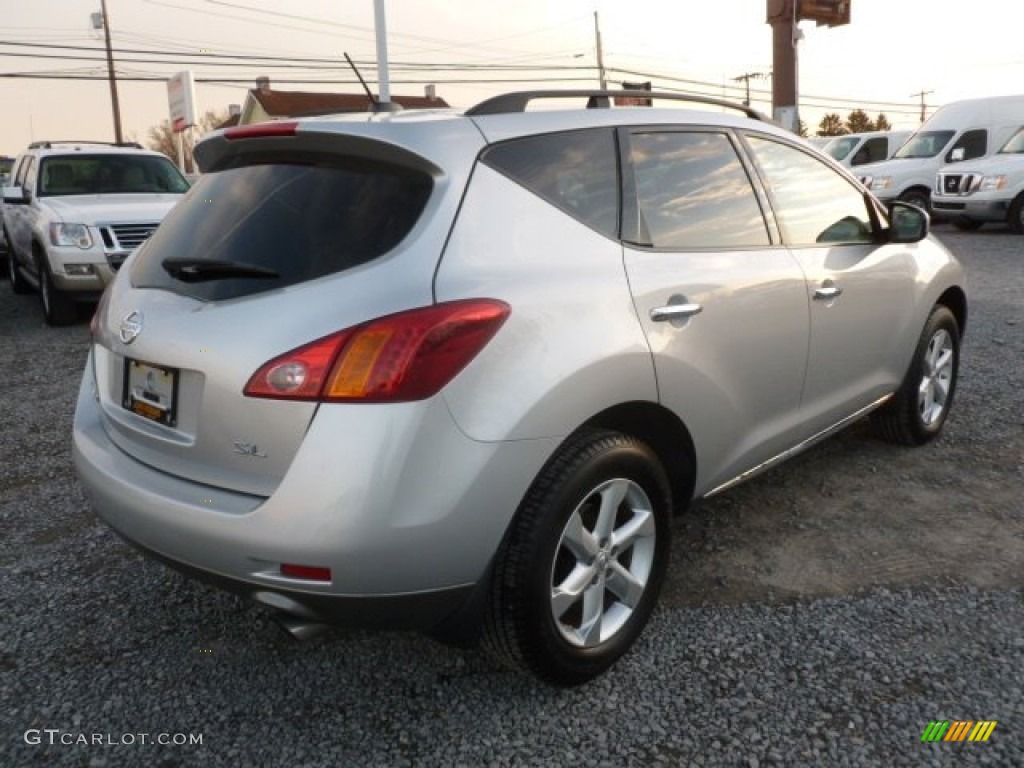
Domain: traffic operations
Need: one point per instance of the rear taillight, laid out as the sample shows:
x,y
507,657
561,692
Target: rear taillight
x,y
403,357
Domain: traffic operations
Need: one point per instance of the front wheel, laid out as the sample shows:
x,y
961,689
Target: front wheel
x,y
58,309
917,411
580,571
1015,217
918,197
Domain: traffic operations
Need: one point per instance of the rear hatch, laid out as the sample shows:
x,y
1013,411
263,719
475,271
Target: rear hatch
x,y
291,234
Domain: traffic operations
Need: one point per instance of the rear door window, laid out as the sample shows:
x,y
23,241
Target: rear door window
x,y
692,191
576,171
280,224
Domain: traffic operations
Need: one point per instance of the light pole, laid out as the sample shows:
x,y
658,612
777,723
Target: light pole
x,y
114,104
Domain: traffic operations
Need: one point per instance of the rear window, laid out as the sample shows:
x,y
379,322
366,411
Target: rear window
x,y
285,224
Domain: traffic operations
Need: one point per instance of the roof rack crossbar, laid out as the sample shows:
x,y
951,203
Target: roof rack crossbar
x,y
598,99
50,143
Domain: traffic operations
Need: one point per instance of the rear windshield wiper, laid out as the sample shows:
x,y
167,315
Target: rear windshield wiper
x,y
200,270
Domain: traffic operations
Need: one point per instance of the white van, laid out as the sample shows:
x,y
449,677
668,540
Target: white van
x,y
985,190
961,130
855,149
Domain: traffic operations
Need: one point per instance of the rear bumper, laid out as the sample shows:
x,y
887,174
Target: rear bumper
x,y
404,510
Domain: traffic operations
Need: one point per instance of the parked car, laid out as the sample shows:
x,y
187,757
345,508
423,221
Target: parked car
x,y
6,164
456,372
862,148
959,131
989,190
73,213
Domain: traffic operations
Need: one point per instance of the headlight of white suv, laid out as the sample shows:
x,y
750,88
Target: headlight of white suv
x,y
70,234
877,183
988,183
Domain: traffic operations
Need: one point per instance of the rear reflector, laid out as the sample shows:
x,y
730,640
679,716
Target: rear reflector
x,y
262,130
398,358
305,572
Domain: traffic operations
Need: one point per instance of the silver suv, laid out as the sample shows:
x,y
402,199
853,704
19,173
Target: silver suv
x,y
72,213
456,372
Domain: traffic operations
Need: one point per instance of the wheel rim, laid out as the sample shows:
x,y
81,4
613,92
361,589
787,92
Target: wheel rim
x,y
933,394
603,563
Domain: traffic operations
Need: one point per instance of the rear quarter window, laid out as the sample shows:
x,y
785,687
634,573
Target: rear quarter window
x,y
576,171
296,221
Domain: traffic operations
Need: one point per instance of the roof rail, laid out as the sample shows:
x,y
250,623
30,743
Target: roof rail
x,y
53,142
597,99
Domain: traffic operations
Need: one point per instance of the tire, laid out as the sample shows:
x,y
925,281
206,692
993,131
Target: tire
x,y
918,197
1015,216
565,603
918,410
58,309
967,225
18,283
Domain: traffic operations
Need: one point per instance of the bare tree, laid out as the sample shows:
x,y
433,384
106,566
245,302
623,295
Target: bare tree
x,y
882,123
162,137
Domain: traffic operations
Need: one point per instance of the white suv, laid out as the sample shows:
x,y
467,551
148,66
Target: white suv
x,y
73,213
989,190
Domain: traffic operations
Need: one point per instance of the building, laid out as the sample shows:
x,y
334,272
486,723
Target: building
x,y
263,104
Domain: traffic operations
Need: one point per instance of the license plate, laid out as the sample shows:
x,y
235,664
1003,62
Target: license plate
x,y
151,391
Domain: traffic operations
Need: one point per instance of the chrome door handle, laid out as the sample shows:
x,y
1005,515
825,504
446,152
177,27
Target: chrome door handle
x,y
675,312
828,292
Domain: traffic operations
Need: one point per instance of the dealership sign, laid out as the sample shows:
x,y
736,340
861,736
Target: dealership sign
x,y
181,95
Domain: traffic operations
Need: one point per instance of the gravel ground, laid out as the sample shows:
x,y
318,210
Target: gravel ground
x,y
823,614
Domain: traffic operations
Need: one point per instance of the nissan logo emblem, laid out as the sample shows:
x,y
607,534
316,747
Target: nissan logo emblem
x,y
131,327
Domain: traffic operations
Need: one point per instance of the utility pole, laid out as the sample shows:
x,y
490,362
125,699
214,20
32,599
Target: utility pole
x,y
114,104
745,78
921,94
600,54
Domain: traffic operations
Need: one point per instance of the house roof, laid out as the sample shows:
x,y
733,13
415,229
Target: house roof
x,y
299,103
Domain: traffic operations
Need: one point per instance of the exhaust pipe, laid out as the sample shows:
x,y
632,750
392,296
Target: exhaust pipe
x,y
300,628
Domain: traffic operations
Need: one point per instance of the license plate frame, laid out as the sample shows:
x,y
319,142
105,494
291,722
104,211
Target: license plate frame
x,y
151,391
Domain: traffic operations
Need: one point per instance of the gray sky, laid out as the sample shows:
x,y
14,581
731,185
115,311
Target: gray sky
x,y
892,50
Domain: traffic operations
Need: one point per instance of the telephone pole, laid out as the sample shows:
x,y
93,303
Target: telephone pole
x,y
921,94
114,104
600,54
745,78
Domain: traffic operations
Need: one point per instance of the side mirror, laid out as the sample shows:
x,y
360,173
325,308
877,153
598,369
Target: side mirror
x,y
957,154
15,196
907,223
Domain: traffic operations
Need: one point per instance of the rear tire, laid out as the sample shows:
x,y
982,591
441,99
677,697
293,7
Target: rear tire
x,y
58,309
1015,217
580,571
918,410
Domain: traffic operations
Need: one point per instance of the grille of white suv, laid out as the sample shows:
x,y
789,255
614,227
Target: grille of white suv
x,y
126,237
